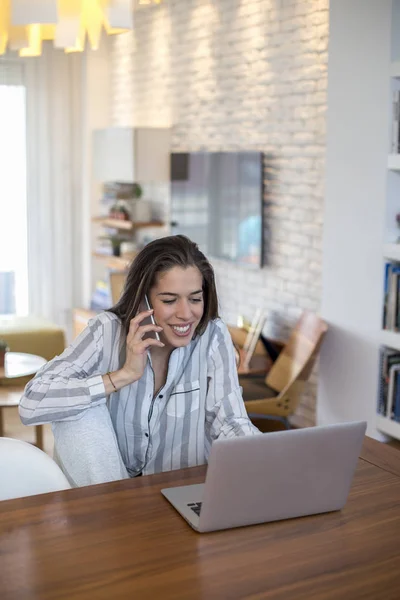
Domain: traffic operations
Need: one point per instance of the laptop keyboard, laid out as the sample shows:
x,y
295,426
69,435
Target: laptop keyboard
x,y
196,507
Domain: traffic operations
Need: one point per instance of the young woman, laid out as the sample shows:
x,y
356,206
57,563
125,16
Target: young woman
x,y
122,402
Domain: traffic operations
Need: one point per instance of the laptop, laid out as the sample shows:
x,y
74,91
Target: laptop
x,y
272,476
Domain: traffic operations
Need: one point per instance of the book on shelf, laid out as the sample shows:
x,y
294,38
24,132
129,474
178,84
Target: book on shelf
x,y
393,391
101,297
395,141
103,246
389,384
391,304
394,412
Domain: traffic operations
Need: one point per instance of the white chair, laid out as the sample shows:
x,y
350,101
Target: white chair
x,y
25,471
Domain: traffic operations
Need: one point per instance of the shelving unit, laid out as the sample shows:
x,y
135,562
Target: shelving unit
x,y
110,262
362,197
121,263
388,426
395,69
391,251
125,225
390,339
116,263
393,162
124,154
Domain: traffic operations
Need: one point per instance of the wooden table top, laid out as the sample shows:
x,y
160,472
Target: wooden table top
x,y
20,364
124,540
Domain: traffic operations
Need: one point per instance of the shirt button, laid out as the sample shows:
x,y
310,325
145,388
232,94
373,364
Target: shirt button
x,y
160,396
146,434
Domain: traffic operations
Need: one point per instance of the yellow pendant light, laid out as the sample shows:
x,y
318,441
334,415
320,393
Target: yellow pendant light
x,y
25,24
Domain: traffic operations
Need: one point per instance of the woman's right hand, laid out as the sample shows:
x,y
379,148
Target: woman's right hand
x,y
136,346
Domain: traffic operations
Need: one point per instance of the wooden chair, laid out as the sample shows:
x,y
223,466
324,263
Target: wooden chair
x,y
252,356
278,395
26,471
252,338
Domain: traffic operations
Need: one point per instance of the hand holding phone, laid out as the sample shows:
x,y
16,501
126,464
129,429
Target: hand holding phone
x,y
138,342
152,320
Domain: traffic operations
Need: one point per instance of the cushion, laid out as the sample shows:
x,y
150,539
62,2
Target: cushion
x,y
255,388
33,335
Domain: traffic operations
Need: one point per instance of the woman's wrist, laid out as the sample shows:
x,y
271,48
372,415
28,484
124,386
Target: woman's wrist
x,y
115,380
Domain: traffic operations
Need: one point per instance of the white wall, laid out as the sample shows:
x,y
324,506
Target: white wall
x,y
243,75
354,215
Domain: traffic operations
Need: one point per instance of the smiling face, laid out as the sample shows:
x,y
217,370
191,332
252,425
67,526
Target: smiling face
x,y
177,300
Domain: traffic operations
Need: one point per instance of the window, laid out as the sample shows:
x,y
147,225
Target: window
x,y
13,205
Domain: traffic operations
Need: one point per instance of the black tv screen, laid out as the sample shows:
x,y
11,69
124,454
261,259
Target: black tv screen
x,y
217,201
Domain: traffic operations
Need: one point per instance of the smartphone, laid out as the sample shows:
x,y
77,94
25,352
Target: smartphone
x,y
149,320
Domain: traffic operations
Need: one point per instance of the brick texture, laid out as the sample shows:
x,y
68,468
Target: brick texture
x,y
243,75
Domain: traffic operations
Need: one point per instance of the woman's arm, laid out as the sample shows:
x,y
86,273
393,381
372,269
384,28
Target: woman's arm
x,y
226,414
70,383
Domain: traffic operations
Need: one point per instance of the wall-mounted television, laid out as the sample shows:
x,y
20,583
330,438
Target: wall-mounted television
x,y
217,201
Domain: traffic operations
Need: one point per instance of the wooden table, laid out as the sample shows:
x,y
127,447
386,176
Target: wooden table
x,y
17,365
124,540
20,364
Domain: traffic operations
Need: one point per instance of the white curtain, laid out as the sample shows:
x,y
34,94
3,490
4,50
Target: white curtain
x,y
54,182
13,236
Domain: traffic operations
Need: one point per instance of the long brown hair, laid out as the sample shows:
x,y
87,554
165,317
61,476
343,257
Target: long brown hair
x,y
159,256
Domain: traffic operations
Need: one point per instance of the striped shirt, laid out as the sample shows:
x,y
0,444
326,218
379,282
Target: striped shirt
x,y
200,401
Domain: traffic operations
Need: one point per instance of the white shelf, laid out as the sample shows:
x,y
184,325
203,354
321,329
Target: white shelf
x,y
119,263
391,251
395,69
390,338
393,163
388,426
126,225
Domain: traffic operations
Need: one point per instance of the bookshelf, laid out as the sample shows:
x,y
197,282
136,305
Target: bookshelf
x,y
393,163
391,339
125,155
116,263
125,225
121,263
389,381
391,251
388,426
395,69
362,198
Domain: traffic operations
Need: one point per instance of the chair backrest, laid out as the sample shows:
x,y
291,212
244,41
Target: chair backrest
x,y
253,336
25,471
239,337
297,358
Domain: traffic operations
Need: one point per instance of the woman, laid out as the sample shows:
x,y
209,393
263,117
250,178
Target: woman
x,y
122,402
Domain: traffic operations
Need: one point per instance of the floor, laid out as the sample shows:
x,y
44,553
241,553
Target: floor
x,y
394,444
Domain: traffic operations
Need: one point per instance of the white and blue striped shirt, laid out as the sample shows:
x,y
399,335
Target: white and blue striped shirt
x,y
200,401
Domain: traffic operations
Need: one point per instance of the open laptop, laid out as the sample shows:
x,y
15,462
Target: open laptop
x,y
272,476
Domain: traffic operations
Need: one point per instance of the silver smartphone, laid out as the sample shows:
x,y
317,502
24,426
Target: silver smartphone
x,y
149,320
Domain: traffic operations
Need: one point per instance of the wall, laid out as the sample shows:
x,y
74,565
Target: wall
x,y
357,150
250,75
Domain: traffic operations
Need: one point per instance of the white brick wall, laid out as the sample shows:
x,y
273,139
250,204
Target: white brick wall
x,y
250,75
